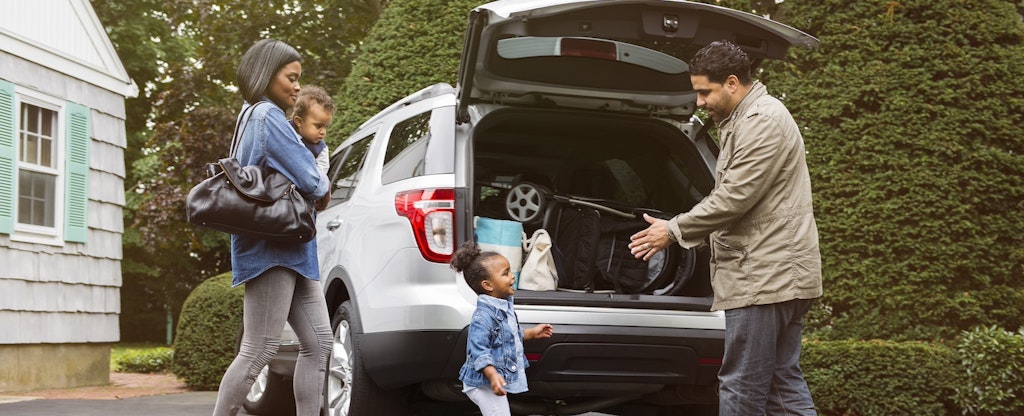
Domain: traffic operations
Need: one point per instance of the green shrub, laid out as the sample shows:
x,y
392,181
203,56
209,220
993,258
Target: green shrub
x,y
207,333
868,378
993,360
141,359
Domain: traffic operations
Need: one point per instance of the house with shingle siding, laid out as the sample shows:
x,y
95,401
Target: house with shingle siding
x,y
62,170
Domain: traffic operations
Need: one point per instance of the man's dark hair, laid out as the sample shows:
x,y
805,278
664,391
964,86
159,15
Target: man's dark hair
x,y
718,60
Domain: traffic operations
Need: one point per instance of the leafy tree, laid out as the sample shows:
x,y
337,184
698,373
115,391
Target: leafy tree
x,y
184,54
144,42
912,113
325,32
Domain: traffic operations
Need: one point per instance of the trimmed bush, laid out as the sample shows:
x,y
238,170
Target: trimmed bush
x,y
993,360
143,360
207,333
868,378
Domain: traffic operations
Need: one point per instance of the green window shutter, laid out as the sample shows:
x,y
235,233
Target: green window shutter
x,y
7,161
76,188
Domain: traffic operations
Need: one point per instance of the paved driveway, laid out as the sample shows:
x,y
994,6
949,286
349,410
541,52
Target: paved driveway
x,y
127,395
179,404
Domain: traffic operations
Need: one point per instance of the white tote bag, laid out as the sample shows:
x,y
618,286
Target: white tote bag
x,y
538,271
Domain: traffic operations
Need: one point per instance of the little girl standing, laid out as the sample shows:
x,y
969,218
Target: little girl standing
x,y
495,361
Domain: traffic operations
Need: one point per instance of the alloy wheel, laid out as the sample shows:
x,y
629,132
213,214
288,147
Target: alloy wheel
x,y
259,386
339,378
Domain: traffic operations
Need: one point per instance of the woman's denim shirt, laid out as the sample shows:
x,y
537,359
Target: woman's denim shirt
x,y
269,140
495,338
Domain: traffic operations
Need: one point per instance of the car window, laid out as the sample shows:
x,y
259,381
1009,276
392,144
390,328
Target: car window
x,y
638,180
668,181
630,185
345,168
420,145
616,64
408,143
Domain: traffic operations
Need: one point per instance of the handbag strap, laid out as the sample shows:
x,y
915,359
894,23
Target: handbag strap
x,y
237,136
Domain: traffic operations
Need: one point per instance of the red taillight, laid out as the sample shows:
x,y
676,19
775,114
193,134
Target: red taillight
x,y
709,361
590,48
432,214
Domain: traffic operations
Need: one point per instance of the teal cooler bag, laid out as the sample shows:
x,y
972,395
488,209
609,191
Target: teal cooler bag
x,y
503,237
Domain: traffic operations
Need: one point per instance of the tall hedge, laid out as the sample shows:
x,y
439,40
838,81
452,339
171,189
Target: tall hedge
x,y
414,44
913,116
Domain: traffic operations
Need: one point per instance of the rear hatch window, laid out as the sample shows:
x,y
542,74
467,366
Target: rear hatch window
x,y
625,56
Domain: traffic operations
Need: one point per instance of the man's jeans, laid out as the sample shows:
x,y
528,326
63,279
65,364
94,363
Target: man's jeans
x,y
761,372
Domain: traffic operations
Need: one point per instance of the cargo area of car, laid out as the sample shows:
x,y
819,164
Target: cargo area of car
x,y
586,178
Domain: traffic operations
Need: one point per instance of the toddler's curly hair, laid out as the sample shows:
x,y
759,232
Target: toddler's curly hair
x,y
309,95
469,260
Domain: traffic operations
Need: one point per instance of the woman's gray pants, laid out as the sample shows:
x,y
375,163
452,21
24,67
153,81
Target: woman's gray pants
x,y
276,296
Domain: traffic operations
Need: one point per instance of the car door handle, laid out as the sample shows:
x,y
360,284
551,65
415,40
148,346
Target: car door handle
x,y
333,224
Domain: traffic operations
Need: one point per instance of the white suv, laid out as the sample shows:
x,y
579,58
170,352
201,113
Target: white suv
x,y
572,116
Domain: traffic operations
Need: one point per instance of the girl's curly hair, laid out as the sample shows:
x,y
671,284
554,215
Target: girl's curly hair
x,y
469,260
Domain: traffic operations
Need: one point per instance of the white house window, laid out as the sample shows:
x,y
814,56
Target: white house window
x,y
44,167
37,166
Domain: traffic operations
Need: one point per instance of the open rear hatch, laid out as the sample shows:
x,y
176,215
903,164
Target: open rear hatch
x,y
623,56
593,67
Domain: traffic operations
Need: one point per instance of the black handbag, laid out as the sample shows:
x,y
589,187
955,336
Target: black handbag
x,y
250,201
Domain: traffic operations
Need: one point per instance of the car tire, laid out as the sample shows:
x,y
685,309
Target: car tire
x,y
349,390
270,395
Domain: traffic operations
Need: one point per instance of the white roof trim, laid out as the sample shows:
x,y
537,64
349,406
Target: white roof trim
x,y
80,48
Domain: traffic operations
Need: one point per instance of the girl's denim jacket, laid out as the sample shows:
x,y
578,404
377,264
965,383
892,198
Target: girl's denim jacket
x,y
491,341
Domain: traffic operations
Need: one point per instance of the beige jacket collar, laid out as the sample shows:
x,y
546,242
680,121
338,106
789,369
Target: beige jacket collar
x,y
756,90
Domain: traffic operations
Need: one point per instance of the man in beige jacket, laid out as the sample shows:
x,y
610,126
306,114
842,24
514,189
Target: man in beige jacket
x,y
765,263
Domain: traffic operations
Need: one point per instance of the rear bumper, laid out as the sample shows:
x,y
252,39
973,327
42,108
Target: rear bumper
x,y
577,360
